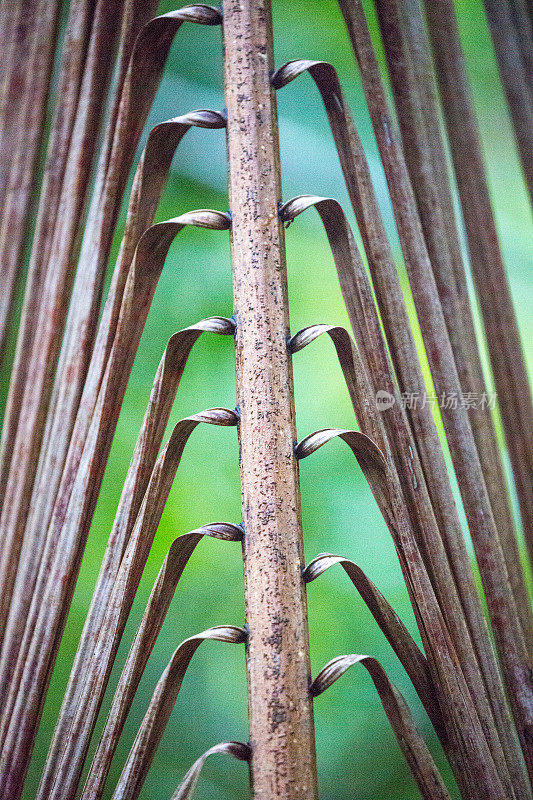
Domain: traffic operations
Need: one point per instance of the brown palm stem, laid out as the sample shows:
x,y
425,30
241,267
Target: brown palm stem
x,y
280,707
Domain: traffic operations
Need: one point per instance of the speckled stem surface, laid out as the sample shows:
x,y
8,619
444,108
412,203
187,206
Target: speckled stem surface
x,y
280,707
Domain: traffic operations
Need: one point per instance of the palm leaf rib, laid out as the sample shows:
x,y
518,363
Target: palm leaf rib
x,y
154,615
238,750
26,77
419,758
391,626
161,705
403,351
358,297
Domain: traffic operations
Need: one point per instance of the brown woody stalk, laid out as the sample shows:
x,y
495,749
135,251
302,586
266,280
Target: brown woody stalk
x,y
409,515
24,105
410,69
502,608
499,319
280,707
70,523
9,15
403,350
514,75
55,293
68,88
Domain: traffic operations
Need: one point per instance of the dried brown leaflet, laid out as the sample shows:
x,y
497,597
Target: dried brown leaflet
x,y
138,91
413,747
468,750
148,184
54,295
162,396
360,396
84,304
72,516
128,117
238,750
120,331
391,626
395,319
506,625
81,15
359,301
408,370
154,615
9,16
69,83
499,319
17,42
155,721
354,370
24,104
410,68
280,709
76,725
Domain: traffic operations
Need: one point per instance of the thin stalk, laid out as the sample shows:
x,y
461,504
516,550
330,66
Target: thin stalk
x,y
67,94
26,103
499,319
514,77
16,43
413,521
410,68
502,608
280,707
424,442
54,299
522,13
9,15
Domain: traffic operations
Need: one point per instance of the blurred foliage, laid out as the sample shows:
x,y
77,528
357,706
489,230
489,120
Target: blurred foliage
x,y
357,753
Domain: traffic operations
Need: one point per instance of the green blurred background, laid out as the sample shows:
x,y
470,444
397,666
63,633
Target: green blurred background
x,y
357,753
